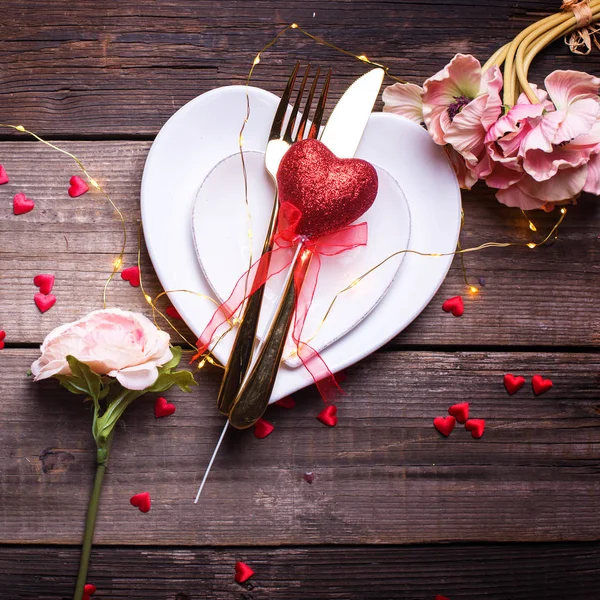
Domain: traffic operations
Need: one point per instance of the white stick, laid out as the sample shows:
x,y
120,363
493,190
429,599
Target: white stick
x,y
212,459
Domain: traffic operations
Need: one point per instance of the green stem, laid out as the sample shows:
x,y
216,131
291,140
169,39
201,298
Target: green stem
x,y
90,522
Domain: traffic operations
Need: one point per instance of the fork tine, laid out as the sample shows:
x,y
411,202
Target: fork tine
x,y
304,119
277,125
287,136
316,123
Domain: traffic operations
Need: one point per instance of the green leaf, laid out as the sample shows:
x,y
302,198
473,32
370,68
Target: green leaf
x,y
183,379
168,367
82,380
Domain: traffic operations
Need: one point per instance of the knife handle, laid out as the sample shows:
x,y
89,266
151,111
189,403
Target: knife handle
x,y
243,346
253,398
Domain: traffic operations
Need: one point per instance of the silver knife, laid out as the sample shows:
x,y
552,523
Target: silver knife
x,y
342,134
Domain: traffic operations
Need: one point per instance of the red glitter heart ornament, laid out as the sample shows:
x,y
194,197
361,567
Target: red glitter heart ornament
x,y
513,383
141,501
476,427
242,572
540,385
328,415
454,305
262,429
162,408
22,204
330,192
3,175
444,425
44,301
78,186
131,274
460,411
45,282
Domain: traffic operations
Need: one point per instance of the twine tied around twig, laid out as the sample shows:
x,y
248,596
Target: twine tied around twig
x,y
580,41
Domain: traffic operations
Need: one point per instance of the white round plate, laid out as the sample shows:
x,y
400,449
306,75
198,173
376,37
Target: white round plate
x,y
206,130
224,227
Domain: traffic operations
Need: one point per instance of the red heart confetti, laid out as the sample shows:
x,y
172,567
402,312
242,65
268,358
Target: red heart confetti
x,y
328,415
2,338
262,429
455,306
131,274
242,572
44,282
287,402
513,383
89,589
172,312
162,408
44,301
444,425
460,411
141,501
309,477
476,427
78,186
540,385
3,175
22,204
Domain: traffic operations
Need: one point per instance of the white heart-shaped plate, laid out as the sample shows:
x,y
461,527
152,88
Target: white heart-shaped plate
x,y
206,131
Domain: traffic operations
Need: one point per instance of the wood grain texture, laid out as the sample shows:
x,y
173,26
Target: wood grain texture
x,y
383,475
528,298
124,68
461,572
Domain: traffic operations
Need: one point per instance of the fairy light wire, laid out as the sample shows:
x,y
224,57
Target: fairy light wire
x,y
119,260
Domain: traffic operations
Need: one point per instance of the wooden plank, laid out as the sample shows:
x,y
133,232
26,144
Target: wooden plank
x,y
383,475
124,69
496,572
528,297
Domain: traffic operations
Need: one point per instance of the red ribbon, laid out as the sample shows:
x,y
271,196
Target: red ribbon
x,y
275,262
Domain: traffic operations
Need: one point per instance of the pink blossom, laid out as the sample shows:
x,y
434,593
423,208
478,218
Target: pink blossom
x,y
404,99
113,342
547,152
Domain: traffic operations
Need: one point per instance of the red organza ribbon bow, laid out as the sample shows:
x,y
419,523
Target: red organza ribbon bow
x,y
276,261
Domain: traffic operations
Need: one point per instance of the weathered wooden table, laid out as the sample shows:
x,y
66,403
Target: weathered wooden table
x,y
395,510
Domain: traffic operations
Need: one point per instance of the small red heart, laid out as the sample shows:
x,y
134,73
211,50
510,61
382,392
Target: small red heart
x,y
172,312
444,425
22,204
142,501
44,282
460,411
2,338
476,427
540,385
3,175
455,306
262,429
78,186
513,384
131,274
162,408
328,415
44,301
89,589
287,402
242,572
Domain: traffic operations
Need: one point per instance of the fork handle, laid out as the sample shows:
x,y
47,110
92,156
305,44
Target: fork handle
x,y
243,346
253,398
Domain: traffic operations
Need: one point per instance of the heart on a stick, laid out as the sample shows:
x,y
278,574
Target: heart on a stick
x,y
330,192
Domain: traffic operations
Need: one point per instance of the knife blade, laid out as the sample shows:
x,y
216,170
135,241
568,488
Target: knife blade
x,y
347,122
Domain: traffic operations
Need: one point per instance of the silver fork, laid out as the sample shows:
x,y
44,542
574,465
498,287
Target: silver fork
x,y
279,143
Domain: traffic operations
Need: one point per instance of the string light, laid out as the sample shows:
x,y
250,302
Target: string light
x,y
473,289
117,263
531,245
